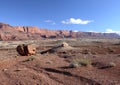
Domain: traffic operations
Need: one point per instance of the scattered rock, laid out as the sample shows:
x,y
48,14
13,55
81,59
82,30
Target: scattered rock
x,y
4,69
49,62
111,64
118,55
73,65
86,51
101,65
64,44
95,56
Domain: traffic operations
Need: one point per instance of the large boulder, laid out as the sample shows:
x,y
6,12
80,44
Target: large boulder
x,y
26,50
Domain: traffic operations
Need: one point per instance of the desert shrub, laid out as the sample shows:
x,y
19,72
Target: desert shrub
x,y
80,62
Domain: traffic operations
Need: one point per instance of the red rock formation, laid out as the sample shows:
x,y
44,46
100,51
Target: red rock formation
x,y
33,29
8,32
29,49
27,29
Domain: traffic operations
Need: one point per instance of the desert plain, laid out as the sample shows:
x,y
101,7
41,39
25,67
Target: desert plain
x,y
83,61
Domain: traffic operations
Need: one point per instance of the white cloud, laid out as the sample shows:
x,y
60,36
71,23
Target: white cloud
x,y
50,21
93,31
112,31
53,23
75,31
76,21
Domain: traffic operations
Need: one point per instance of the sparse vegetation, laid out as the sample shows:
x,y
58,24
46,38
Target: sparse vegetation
x,y
86,61
80,62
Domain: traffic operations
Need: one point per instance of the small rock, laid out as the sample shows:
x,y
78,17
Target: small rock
x,y
64,44
4,69
49,62
111,64
73,65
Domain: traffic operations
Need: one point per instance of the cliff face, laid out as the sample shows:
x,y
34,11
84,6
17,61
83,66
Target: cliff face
x,y
27,29
42,32
8,32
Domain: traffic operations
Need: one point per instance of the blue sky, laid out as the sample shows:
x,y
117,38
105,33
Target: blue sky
x,y
76,15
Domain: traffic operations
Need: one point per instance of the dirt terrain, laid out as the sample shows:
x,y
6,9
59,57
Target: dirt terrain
x,y
58,67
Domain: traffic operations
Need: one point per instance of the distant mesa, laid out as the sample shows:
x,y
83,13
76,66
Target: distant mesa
x,y
8,32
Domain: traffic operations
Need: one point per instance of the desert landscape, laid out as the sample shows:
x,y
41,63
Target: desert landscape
x,y
59,42
66,61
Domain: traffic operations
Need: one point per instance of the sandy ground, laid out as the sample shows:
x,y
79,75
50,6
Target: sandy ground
x,y
53,68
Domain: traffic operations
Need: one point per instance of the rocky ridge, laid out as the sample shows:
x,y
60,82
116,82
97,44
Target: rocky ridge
x,y
8,32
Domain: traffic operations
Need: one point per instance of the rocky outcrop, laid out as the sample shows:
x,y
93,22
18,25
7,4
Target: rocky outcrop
x,y
26,49
8,32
